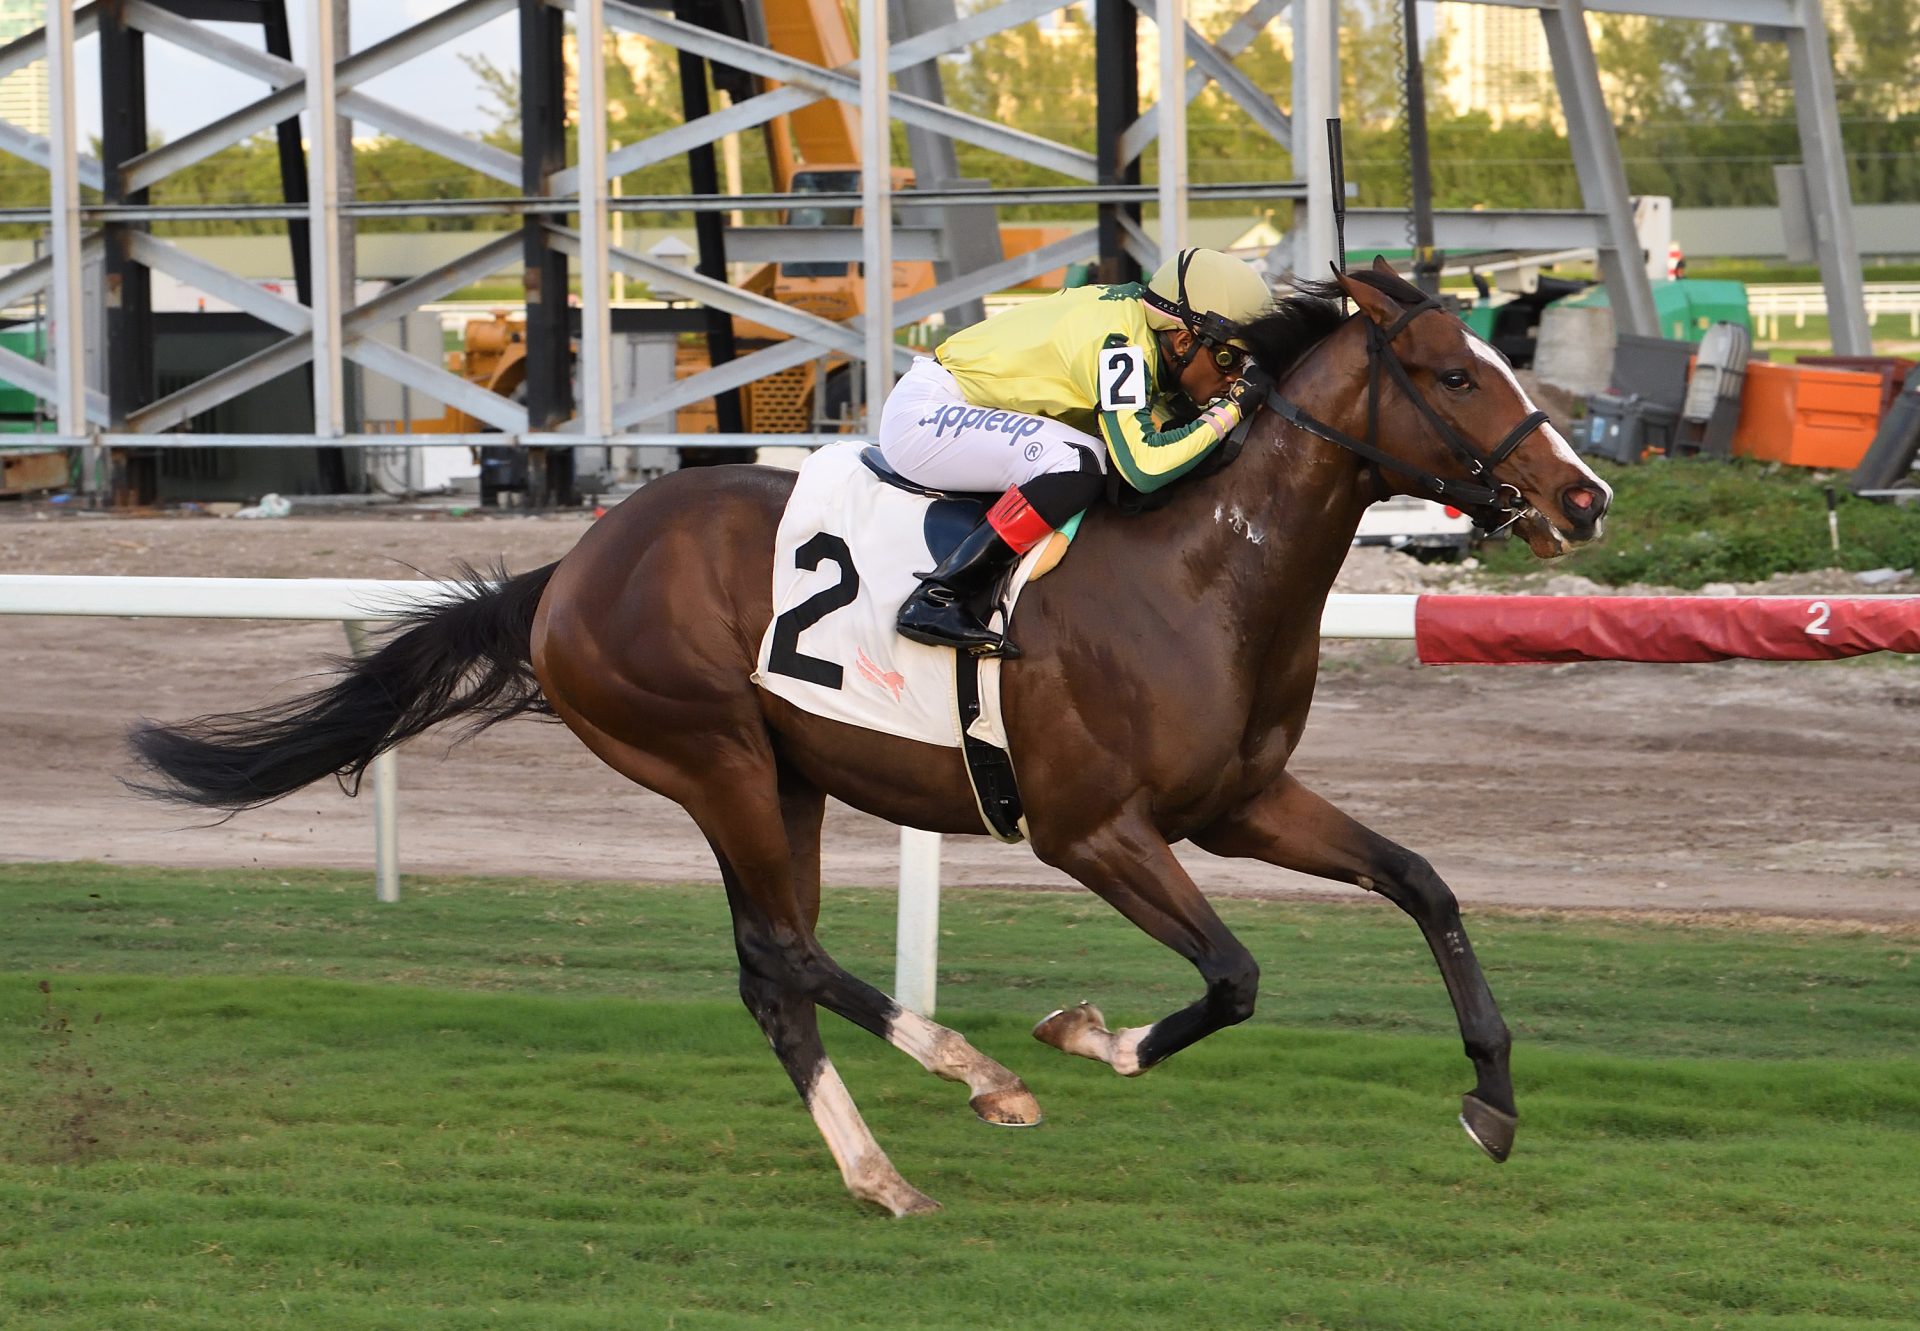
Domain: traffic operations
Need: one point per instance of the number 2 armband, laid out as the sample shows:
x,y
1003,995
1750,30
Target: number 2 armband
x,y
1123,385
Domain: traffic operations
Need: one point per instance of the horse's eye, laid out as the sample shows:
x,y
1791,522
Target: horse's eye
x,y
1455,379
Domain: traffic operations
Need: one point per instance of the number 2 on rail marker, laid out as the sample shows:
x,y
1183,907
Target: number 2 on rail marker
x,y
1821,611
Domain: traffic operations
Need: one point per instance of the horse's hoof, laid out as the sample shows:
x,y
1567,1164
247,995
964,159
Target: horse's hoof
x,y
1079,1029
1491,1129
918,1204
1013,1107
877,1181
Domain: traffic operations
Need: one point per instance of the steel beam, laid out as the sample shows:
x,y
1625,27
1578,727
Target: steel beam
x,y
985,281
45,382
595,362
33,148
22,51
876,202
1142,247
817,244
1596,162
323,222
271,362
970,234
290,101
127,342
703,174
291,150
229,381
831,83
1766,13
543,140
279,73
68,314
1116,56
543,206
30,279
1316,99
1170,17
1213,63
1458,229
1828,191
824,334
786,99
727,377
437,383
286,315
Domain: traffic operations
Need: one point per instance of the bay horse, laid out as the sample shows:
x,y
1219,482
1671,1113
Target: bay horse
x,y
1168,669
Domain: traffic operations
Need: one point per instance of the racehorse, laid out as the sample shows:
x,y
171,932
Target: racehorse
x,y
1169,666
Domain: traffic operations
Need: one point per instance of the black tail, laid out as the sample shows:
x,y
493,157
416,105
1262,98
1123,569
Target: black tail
x,y
469,653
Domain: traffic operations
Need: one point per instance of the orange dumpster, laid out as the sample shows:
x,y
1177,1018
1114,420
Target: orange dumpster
x,y
1807,417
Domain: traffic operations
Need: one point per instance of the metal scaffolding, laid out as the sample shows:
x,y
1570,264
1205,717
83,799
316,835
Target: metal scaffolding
x,y
564,207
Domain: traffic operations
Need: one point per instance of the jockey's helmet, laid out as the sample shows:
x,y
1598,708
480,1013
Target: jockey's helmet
x,y
1208,293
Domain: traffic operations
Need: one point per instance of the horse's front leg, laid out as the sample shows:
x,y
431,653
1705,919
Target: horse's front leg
x,y
1290,826
1129,864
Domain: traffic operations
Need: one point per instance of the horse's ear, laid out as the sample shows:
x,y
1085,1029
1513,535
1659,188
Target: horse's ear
x,y
1378,305
1380,265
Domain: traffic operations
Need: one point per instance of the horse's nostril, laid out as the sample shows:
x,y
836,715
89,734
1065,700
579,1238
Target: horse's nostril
x,y
1581,499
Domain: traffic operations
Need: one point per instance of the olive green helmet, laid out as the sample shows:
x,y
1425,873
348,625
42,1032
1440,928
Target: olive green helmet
x,y
1208,293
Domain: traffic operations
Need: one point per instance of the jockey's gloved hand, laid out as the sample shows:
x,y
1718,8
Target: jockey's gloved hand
x,y
1250,390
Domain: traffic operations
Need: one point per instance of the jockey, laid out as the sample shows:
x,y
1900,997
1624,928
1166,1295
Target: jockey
x,y
1035,401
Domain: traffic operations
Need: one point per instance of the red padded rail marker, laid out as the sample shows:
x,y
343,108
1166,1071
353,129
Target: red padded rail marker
x,y
1532,630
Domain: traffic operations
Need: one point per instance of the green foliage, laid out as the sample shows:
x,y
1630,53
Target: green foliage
x,y
1686,522
451,1113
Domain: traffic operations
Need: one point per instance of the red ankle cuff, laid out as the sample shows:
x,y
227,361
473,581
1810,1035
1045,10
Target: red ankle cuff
x,y
1019,526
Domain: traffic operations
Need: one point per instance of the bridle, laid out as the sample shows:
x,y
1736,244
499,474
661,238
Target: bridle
x,y
1493,504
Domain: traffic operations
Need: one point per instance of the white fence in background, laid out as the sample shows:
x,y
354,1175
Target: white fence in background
x,y
1797,300
362,603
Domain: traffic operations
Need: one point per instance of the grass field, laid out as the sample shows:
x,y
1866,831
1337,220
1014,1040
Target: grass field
x,y
257,1099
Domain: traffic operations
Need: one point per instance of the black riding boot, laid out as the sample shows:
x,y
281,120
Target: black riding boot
x,y
937,613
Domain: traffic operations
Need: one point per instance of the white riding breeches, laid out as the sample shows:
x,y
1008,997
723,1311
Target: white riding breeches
x,y
931,434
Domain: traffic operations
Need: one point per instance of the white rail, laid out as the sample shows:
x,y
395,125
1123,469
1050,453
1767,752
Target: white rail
x,y
358,602
1768,304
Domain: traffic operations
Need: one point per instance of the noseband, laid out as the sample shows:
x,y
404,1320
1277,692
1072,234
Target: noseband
x,y
1493,504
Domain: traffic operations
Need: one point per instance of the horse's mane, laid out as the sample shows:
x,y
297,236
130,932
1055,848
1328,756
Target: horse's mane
x,y
1296,324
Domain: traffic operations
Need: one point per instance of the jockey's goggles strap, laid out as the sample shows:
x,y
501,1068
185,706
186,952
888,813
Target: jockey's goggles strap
x,y
1211,328
1493,504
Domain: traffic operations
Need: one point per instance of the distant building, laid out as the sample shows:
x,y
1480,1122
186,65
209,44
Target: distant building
x,y
23,94
1497,62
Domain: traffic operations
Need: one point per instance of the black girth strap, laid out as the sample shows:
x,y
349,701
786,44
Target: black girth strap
x,y
1493,504
988,766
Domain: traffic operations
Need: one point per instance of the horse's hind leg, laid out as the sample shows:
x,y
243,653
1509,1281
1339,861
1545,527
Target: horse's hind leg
x,y
1129,864
995,1094
1292,827
775,944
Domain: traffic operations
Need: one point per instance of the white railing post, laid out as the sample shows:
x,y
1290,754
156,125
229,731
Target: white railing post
x,y
384,773
917,932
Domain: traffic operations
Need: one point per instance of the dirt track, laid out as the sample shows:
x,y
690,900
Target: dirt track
x,y
1771,789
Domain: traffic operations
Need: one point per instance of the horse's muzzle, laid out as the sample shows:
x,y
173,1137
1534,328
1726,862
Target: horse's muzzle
x,y
1583,507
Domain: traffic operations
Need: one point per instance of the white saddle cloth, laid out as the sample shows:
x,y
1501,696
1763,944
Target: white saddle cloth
x,y
843,561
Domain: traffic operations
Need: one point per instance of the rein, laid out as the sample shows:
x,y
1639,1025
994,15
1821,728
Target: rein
x,y
1493,504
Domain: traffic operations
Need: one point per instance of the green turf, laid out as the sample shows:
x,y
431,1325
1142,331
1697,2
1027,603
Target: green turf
x,y
260,1100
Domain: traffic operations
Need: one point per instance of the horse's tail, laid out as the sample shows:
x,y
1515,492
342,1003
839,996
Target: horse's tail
x,y
468,653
